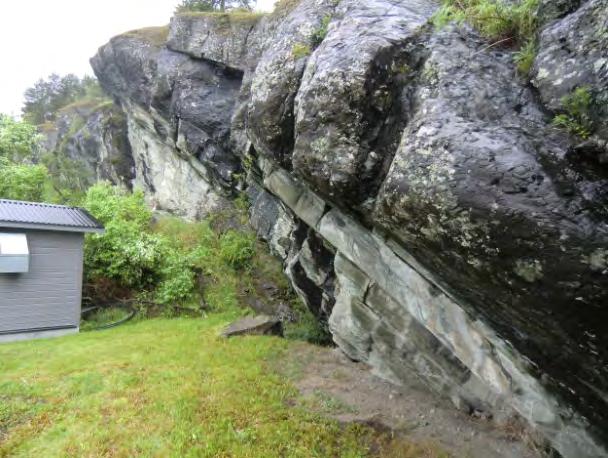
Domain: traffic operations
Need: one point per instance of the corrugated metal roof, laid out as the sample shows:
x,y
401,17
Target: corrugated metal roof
x,y
14,213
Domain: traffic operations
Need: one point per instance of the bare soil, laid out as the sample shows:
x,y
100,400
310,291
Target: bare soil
x,y
347,391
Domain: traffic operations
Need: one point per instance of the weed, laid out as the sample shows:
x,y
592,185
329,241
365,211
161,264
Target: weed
x,y
524,58
495,19
319,34
577,116
300,50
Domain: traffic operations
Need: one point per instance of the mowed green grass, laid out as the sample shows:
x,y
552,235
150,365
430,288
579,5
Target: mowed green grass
x,y
161,388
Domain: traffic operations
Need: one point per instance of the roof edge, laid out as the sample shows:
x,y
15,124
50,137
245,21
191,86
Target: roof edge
x,y
51,227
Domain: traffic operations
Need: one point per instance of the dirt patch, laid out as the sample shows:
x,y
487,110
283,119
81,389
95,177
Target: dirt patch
x,y
339,388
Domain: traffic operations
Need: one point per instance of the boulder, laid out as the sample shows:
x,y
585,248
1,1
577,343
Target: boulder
x,y
259,325
412,183
352,99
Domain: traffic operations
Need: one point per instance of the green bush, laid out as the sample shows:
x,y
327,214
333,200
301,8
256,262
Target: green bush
x,y
128,253
237,249
22,181
19,140
300,50
320,32
524,58
163,261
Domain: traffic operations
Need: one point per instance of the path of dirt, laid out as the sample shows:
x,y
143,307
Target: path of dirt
x,y
332,384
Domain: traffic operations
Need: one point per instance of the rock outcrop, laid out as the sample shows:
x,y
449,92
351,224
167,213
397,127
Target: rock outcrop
x,y
178,111
94,136
423,203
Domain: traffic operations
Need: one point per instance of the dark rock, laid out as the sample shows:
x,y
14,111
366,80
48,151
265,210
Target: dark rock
x,y
276,80
412,184
351,101
549,10
481,192
573,53
94,136
179,111
259,325
224,38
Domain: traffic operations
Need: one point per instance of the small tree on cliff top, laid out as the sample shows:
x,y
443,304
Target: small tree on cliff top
x,y
213,5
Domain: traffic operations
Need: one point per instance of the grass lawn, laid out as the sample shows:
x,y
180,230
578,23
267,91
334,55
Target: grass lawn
x,y
160,388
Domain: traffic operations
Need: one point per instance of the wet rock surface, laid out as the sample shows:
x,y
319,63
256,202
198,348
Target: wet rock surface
x,y
178,108
412,183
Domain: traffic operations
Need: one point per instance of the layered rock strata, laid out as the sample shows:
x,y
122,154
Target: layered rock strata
x,y
423,203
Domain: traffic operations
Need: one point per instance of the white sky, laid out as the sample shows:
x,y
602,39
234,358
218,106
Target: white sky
x,y
40,37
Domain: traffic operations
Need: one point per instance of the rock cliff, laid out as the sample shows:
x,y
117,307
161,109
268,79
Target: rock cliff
x,y
412,182
94,136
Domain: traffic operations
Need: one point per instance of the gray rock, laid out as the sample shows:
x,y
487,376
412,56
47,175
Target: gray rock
x,y
179,111
573,53
549,10
224,38
349,107
413,186
94,136
259,325
276,79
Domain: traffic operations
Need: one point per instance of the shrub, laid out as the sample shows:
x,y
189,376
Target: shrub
x,y
19,140
128,253
22,181
237,249
577,116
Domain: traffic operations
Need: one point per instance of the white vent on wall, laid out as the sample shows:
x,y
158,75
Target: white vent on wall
x,y
14,253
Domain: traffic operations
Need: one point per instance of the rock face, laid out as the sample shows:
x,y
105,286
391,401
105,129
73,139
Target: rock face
x,y
94,136
179,111
573,54
423,204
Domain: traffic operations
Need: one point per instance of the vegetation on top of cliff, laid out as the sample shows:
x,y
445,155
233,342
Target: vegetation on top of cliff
x,y
156,36
46,97
214,5
513,22
227,18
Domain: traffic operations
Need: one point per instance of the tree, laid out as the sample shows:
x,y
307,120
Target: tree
x,y
213,5
19,140
22,181
47,97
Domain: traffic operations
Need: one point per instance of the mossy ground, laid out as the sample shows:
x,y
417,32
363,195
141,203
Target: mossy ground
x,y
162,388
156,36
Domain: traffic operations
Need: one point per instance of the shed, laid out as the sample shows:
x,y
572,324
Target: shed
x,y
41,259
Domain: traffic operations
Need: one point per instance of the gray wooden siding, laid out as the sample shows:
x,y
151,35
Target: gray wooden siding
x,y
49,295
